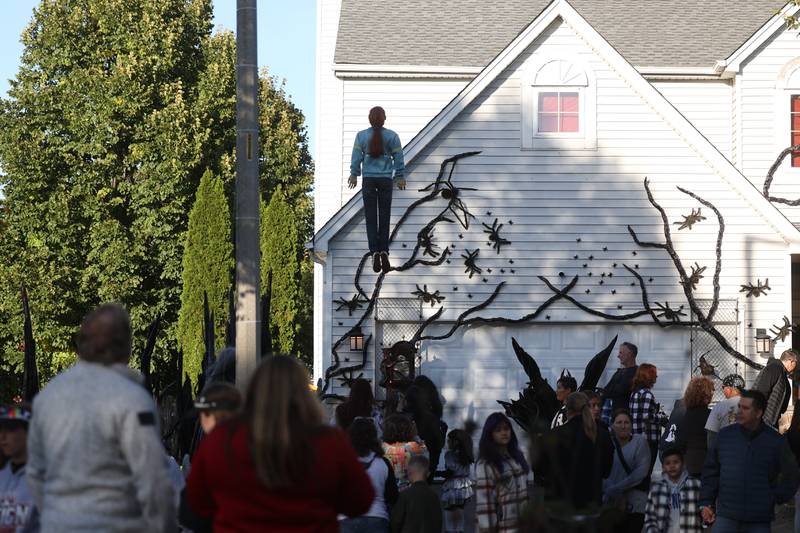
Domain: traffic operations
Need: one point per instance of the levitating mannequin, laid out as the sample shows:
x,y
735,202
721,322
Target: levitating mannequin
x,y
377,154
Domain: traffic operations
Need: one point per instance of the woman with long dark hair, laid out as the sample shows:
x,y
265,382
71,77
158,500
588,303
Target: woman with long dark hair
x,y
457,489
360,403
501,477
377,153
277,467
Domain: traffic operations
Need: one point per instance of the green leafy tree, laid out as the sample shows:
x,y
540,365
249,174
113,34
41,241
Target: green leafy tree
x,y
279,254
102,145
207,268
117,110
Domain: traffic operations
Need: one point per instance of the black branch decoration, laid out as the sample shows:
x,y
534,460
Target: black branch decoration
x,y
690,220
469,263
432,298
756,290
771,175
353,304
688,281
442,186
497,242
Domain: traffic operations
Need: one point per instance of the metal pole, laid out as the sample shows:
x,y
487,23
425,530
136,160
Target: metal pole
x,y
248,254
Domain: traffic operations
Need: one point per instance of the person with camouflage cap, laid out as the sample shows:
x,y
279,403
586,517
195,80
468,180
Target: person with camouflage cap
x,y
724,413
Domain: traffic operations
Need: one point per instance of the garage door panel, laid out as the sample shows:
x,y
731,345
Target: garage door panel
x,y
476,367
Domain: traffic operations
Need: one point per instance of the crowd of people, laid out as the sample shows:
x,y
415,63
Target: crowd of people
x,y
88,456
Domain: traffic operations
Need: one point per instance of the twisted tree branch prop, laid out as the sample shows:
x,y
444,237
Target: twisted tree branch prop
x,y
771,174
582,307
336,368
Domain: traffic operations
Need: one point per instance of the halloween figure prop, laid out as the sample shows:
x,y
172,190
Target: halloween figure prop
x,y
378,155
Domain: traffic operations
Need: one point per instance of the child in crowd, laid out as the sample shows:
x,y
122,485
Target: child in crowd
x,y
17,510
418,509
457,489
565,386
400,444
217,403
673,502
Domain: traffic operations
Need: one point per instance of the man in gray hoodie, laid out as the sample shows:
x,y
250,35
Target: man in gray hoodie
x,y
96,462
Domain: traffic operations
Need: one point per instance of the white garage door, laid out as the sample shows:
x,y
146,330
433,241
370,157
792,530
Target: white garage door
x,y
476,367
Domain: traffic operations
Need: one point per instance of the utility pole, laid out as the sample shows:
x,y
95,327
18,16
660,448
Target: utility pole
x,y
248,253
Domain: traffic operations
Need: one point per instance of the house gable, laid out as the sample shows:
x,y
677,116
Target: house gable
x,y
561,9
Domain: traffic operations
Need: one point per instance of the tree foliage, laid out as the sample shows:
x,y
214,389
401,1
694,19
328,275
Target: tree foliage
x,y
279,254
117,110
207,269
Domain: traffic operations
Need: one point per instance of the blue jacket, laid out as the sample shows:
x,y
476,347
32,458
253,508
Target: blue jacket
x,y
391,162
748,473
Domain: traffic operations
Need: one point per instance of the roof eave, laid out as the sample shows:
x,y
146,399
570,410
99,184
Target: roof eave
x,y
732,65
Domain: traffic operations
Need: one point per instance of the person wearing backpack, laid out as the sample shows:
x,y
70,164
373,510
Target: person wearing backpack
x,y
364,438
628,484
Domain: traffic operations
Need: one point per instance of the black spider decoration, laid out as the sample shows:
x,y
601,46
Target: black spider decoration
x,y
601,282
578,239
455,288
590,274
547,317
614,265
756,290
451,193
425,241
561,274
619,307
352,304
460,235
673,315
783,331
485,280
510,222
591,258
489,270
469,263
347,378
605,248
613,291
574,256
510,261
494,235
588,291
502,270
432,298
695,277
634,252
690,220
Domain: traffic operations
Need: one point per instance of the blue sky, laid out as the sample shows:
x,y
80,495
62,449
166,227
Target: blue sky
x,y
286,43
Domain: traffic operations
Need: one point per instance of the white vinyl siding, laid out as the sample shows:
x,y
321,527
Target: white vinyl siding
x,y
762,128
409,106
708,104
555,198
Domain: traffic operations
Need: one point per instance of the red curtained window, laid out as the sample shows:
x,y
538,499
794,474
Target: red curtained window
x,y
794,127
559,112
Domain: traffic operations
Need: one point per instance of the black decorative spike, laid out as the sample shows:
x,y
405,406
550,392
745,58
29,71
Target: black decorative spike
x,y
30,377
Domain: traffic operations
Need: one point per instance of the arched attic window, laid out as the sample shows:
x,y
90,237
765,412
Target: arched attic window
x,y
559,107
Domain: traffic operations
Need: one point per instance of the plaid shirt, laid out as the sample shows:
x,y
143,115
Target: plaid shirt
x,y
657,513
499,496
647,418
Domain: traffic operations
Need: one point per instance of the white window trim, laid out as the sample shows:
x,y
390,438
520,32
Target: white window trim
x,y
586,138
781,112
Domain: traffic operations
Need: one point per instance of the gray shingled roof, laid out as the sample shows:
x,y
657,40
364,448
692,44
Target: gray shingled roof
x,y
648,33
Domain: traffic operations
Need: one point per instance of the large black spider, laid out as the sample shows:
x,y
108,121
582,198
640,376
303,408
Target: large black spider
x,y
695,277
756,290
455,205
432,298
781,332
690,220
665,311
469,263
352,304
347,378
425,241
494,235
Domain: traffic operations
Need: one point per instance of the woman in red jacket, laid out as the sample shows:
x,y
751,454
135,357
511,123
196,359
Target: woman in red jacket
x,y
278,468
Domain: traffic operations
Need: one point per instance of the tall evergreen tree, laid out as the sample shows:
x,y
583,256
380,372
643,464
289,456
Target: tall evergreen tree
x,y
207,269
279,254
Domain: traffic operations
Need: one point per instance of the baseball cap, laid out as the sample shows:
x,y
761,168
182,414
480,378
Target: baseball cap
x,y
14,415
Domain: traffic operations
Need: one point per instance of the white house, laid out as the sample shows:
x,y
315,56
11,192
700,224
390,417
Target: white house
x,y
578,110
